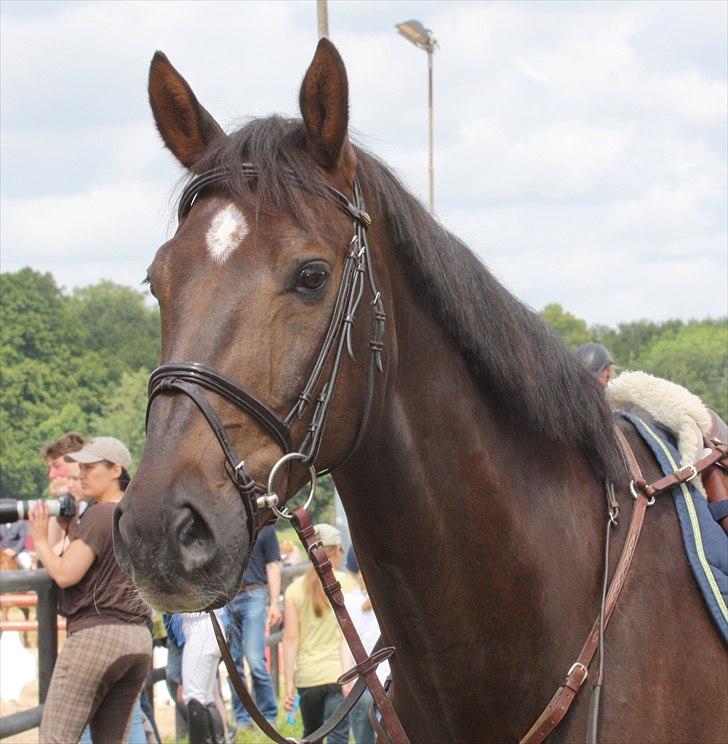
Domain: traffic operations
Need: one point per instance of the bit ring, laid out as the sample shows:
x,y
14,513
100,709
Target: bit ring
x,y
284,513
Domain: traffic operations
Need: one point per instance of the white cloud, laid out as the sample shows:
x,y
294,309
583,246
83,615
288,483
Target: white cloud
x,y
113,230
580,148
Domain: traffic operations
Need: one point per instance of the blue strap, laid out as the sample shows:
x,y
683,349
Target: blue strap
x,y
719,509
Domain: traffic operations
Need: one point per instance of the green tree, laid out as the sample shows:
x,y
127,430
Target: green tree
x,y
31,316
629,340
694,355
114,320
123,414
572,330
77,362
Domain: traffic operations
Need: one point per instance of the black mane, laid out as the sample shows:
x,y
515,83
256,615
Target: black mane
x,y
515,357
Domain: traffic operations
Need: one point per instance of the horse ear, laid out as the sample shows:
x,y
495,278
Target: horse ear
x,y
186,127
324,102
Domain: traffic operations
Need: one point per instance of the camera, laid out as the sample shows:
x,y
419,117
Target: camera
x,y
12,511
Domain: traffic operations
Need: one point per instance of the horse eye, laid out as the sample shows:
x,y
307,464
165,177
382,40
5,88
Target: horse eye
x,y
148,282
312,276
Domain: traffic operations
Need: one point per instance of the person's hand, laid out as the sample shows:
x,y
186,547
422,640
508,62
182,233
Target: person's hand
x,y
274,615
38,519
288,700
9,552
59,485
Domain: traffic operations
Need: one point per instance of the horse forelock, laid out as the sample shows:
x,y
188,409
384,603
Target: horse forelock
x,y
512,353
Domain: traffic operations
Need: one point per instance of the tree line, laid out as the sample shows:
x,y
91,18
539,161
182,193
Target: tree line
x,y
80,361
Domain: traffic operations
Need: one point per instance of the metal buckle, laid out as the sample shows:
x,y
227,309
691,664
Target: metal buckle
x,y
574,666
636,495
695,473
317,544
284,513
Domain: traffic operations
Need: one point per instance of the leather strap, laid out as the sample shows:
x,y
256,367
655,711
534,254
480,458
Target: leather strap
x,y
365,668
198,374
240,687
564,696
366,665
685,474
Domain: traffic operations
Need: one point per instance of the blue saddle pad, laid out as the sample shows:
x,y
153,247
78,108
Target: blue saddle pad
x,y
705,541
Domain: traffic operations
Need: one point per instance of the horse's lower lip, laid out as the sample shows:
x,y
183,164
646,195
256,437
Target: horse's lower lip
x,y
182,599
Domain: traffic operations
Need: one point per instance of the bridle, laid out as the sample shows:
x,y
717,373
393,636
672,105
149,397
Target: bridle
x,y
191,378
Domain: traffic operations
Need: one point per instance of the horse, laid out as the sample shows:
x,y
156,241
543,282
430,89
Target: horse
x,y
469,447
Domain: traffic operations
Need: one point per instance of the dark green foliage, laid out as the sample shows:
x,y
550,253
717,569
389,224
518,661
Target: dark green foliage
x,y
694,355
573,330
77,361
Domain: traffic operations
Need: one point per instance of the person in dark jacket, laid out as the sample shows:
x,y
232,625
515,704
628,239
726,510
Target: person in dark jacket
x,y
13,537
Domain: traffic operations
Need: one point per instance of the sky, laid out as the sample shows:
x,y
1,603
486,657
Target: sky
x,y
580,148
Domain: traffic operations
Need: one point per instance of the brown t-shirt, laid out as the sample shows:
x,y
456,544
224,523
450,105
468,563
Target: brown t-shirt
x,y
105,595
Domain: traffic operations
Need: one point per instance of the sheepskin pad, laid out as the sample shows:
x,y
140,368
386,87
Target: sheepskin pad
x,y
672,406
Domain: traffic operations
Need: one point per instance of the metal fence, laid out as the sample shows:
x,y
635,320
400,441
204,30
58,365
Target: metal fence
x,y
38,581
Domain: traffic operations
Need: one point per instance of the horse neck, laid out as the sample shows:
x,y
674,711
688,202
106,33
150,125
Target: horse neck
x,y
463,526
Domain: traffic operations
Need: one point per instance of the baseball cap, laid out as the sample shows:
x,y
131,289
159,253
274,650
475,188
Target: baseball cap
x,y
103,448
328,535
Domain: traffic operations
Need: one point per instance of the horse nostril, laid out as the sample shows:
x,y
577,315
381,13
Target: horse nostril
x,y
192,529
195,541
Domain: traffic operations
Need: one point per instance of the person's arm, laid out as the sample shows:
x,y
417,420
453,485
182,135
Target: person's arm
x,y
273,572
56,533
290,651
65,570
347,662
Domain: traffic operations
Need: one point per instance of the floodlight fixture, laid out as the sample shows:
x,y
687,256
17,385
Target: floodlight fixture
x,y
418,35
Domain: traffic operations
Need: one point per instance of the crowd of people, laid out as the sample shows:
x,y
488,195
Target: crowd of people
x,y
97,692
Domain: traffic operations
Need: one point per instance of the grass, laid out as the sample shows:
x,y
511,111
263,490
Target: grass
x,y
256,736
286,729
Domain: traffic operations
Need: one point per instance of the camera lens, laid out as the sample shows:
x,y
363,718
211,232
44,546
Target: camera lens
x,y
11,510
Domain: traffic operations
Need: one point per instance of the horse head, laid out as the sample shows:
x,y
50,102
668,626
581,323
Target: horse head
x,y
264,274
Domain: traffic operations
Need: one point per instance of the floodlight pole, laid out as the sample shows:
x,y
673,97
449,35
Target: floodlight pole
x,y
431,167
422,38
322,12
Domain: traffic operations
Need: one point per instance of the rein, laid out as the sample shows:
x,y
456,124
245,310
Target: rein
x,y
193,378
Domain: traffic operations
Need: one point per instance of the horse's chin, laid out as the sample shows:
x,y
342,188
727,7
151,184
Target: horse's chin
x,y
186,596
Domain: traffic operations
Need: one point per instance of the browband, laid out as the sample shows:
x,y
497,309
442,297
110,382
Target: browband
x,y
250,172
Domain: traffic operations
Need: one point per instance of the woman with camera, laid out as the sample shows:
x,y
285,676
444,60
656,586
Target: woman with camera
x,y
107,655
